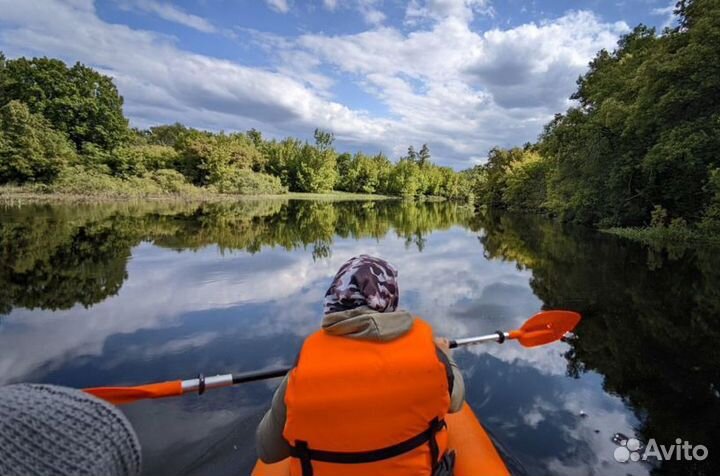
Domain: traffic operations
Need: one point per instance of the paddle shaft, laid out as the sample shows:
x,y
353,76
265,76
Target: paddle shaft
x,y
201,383
541,329
498,337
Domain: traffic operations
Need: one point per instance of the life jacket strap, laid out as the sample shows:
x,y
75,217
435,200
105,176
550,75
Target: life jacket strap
x,y
306,455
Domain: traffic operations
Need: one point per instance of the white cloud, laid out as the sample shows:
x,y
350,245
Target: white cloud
x,y
280,6
536,65
462,10
463,91
669,14
442,83
369,10
170,12
161,82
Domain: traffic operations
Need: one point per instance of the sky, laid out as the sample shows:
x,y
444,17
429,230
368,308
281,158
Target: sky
x,y
462,76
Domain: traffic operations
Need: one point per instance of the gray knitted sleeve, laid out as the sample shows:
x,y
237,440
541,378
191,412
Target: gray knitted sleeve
x,y
51,430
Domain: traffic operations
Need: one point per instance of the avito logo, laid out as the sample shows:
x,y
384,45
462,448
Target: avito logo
x,y
631,449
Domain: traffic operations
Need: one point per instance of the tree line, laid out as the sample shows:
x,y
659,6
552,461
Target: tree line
x,y
641,145
63,128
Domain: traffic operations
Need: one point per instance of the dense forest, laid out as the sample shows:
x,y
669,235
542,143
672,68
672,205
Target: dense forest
x,y
62,129
640,147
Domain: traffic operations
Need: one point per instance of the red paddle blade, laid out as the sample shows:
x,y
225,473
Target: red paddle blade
x,y
123,395
545,327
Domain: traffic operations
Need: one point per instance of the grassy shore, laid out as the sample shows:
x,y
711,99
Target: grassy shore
x,y
18,195
666,236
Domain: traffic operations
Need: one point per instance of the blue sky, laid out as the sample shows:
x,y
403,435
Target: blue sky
x,y
460,75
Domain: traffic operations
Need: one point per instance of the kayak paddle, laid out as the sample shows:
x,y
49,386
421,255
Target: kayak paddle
x,y
543,328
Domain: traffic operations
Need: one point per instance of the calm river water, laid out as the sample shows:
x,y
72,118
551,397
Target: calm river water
x,y
128,294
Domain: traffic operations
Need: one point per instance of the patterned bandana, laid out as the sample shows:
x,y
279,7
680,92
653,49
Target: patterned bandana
x,y
363,281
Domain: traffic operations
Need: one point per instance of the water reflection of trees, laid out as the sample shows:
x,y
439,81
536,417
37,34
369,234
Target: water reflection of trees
x,y
651,323
54,257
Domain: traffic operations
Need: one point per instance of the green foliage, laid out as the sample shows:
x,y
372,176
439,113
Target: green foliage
x,y
404,178
658,217
423,157
710,223
247,182
85,106
384,168
137,160
280,157
168,135
511,178
77,101
359,175
78,180
171,181
645,134
313,169
95,158
30,150
525,184
208,158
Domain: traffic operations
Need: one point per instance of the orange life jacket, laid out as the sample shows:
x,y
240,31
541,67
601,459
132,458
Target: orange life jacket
x,y
358,407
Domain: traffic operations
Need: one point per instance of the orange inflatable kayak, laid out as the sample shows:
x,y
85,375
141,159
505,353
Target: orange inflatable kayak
x,y
475,453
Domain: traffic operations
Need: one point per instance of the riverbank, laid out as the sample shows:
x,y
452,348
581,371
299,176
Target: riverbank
x,y
18,195
663,237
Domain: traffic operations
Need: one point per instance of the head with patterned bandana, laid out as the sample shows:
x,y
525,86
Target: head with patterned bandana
x,y
363,281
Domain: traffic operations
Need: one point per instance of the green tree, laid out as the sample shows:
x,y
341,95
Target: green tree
x,y
323,140
384,168
138,160
362,175
280,157
525,185
344,162
167,135
208,158
411,154
405,178
710,222
77,101
256,137
423,157
494,173
645,133
313,170
30,150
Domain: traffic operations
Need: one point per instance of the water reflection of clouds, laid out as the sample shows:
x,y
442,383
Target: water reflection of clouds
x,y
450,284
552,424
236,311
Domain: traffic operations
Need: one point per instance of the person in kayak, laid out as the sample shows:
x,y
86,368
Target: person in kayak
x,y
369,390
